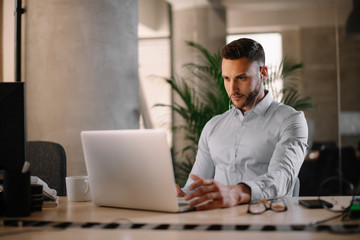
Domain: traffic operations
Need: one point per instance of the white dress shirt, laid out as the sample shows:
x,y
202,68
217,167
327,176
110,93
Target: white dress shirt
x,y
264,149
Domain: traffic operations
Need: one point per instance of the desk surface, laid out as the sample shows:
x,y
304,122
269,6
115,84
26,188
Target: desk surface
x,y
74,215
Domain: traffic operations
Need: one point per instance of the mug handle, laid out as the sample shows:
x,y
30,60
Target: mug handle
x,y
87,186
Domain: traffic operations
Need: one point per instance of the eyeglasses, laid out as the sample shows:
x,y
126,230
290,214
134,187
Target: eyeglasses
x,y
257,207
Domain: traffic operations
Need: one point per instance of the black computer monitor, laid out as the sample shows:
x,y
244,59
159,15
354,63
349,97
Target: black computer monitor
x,y
12,126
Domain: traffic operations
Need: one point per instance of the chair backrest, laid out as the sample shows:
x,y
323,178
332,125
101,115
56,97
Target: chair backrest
x,y
48,162
296,190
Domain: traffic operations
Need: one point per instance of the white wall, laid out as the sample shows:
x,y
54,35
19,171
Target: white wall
x,y
81,70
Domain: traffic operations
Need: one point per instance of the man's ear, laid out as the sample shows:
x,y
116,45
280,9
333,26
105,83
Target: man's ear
x,y
263,73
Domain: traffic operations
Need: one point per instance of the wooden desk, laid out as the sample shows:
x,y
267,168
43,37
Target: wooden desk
x,y
69,218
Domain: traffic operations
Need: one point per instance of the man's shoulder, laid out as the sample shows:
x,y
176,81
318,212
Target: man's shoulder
x,y
217,119
220,117
284,111
280,108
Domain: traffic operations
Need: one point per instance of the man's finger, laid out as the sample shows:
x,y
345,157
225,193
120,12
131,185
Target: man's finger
x,y
179,192
194,177
205,197
201,191
200,182
197,178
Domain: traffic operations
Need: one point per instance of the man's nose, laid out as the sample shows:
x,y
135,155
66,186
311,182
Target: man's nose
x,y
233,86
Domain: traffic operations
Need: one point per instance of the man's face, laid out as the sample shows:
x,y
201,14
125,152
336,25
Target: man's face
x,y
243,82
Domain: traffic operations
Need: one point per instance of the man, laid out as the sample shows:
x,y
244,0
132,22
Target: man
x,y
255,149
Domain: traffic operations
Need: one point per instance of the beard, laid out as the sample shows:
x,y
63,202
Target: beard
x,y
251,98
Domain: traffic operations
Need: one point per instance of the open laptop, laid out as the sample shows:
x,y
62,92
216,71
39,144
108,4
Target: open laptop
x,y
131,169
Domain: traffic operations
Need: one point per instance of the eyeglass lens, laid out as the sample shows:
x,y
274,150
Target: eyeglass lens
x,y
278,205
258,207
261,206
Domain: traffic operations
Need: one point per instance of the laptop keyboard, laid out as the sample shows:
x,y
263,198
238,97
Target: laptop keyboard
x,y
182,202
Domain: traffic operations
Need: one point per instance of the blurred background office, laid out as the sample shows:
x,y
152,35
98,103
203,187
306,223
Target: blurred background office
x,y
100,65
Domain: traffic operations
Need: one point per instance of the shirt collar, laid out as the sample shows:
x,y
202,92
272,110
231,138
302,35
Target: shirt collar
x,y
264,104
259,108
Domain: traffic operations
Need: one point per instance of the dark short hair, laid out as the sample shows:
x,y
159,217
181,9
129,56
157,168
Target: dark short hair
x,y
244,47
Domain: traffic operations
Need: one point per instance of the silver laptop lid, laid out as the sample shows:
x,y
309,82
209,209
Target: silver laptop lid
x,y
130,169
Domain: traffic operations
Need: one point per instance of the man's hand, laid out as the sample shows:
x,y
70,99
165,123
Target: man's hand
x,y
217,194
179,192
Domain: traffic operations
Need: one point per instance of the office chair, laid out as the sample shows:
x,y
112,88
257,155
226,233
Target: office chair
x,y
296,190
48,162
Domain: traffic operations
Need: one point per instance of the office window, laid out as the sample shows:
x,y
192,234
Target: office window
x,y
154,66
272,44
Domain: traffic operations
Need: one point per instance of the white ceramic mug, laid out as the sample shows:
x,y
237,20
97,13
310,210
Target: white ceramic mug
x,y
78,188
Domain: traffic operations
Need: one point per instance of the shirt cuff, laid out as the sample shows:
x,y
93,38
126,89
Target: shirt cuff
x,y
255,190
186,191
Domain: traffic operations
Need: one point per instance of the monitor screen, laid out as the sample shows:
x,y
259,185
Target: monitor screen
x,y
12,126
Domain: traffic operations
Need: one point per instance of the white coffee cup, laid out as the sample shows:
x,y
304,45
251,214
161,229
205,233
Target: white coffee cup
x,y
78,189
